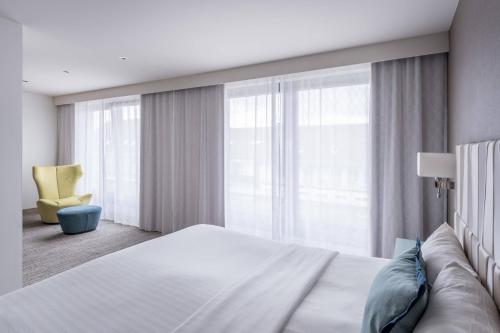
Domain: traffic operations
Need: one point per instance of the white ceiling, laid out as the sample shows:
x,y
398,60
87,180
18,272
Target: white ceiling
x,y
167,38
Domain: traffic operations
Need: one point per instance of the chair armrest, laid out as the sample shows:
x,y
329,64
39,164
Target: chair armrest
x,y
85,199
47,202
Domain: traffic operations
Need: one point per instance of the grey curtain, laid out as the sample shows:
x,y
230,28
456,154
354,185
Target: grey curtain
x,y
182,159
408,115
65,134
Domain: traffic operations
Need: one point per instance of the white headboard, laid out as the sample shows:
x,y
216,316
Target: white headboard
x,y
477,215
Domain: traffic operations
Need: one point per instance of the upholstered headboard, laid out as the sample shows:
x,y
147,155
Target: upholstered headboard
x,y
477,215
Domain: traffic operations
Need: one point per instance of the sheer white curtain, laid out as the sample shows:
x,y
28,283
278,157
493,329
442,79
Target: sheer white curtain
x,y
107,145
250,124
297,158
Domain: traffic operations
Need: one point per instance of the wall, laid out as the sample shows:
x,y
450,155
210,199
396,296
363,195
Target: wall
x,y
474,76
474,73
10,153
409,47
39,140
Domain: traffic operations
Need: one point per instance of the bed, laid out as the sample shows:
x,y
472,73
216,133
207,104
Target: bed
x,y
208,279
157,285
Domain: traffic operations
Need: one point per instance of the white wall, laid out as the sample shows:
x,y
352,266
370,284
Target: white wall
x,y
11,56
39,140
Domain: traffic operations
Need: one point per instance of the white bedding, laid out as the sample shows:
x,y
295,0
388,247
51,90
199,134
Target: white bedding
x,y
264,299
157,285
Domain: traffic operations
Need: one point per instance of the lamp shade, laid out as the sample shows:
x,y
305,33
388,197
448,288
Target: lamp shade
x,y
438,165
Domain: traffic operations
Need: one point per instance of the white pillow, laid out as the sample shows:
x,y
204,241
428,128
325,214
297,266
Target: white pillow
x,y
442,248
458,303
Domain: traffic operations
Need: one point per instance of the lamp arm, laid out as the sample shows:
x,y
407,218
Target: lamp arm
x,y
443,184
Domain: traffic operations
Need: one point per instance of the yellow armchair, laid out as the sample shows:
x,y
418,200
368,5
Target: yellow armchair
x,y
56,189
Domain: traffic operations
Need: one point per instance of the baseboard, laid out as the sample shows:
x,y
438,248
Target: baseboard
x,y
29,211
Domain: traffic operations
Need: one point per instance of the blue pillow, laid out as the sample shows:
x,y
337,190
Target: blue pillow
x,y
398,296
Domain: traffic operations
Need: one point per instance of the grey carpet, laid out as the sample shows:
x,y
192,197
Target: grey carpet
x,y
47,251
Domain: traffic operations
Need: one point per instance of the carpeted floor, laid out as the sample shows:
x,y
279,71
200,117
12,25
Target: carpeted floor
x,y
47,251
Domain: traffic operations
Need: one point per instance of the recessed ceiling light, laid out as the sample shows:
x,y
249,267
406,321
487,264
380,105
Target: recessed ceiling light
x,y
66,71
26,81
123,58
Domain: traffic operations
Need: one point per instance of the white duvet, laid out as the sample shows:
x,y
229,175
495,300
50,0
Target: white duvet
x,y
202,279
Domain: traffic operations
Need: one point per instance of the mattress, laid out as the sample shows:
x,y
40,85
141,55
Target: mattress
x,y
155,286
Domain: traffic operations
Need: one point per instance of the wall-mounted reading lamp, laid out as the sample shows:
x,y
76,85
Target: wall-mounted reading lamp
x,y
440,166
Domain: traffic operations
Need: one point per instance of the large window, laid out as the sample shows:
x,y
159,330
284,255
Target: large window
x,y
107,134
297,158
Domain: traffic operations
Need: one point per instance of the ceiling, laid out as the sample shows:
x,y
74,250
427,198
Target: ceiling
x,y
167,38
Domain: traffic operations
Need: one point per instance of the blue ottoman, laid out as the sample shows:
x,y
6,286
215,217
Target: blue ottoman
x,y
78,219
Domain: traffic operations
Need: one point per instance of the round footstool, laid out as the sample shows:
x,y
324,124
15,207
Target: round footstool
x,y
78,219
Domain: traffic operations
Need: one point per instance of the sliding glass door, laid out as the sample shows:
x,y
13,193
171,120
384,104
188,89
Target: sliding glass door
x,y
297,158
107,143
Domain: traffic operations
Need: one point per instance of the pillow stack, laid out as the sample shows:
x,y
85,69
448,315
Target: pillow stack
x,y
457,301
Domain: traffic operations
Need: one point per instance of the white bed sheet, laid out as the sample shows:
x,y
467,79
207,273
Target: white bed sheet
x,y
337,301
156,285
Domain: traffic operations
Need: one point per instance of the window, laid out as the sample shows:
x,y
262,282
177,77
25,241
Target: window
x,y
107,145
297,158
